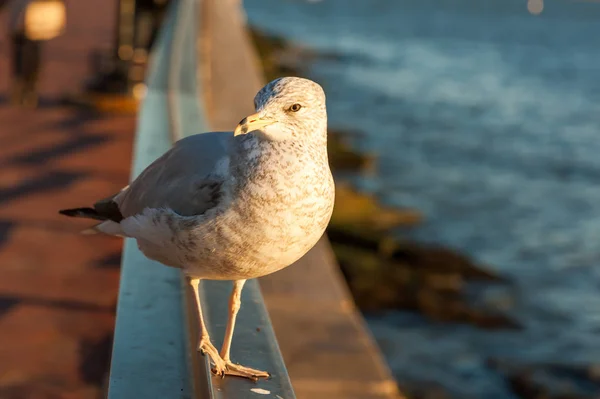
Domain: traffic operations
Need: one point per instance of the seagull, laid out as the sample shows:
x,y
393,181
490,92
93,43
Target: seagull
x,y
232,205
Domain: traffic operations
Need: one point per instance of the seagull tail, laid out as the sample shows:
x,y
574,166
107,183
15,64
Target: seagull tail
x,y
107,227
91,230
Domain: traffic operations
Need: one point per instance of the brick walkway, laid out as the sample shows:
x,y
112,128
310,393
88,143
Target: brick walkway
x,y
58,289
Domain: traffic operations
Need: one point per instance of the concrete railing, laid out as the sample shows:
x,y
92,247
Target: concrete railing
x,y
154,351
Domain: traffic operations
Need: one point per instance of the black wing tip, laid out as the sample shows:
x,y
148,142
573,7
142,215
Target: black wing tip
x,y
68,212
79,212
106,213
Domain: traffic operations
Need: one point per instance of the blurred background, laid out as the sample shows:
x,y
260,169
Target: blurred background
x,y
463,137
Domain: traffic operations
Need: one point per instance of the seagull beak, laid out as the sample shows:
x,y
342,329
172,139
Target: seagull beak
x,y
251,123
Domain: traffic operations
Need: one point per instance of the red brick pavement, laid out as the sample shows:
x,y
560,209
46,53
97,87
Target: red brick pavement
x,y
58,289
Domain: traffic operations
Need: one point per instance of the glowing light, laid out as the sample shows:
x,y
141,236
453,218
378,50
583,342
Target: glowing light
x,y
139,91
535,7
125,52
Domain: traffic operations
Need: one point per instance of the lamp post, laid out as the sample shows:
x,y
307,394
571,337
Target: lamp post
x,y
118,75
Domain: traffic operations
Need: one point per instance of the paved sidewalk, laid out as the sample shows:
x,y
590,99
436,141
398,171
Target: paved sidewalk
x,y
58,289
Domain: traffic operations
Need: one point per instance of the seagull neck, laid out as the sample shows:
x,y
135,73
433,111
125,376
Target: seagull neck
x,y
251,151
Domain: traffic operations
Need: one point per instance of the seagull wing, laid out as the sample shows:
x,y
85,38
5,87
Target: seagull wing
x,y
187,179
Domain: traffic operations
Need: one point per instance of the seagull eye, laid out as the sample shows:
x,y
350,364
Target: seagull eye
x,y
295,107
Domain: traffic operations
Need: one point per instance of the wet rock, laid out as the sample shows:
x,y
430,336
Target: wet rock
x,y
550,381
445,261
342,158
279,57
379,281
362,216
384,272
435,260
427,390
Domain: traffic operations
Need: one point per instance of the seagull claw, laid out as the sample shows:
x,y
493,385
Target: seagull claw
x,y
207,348
245,372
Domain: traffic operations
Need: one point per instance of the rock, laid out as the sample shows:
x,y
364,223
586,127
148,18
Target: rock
x,y
384,272
279,57
434,259
550,381
428,390
444,260
358,212
342,158
379,282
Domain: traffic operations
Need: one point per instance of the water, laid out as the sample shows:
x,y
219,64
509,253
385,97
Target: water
x,y
487,119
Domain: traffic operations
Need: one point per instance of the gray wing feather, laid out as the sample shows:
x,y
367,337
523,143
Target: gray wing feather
x,y
182,179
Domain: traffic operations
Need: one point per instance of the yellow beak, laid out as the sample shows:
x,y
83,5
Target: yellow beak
x,y
251,123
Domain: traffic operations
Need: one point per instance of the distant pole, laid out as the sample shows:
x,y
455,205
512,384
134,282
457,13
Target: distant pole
x,y
125,29
118,75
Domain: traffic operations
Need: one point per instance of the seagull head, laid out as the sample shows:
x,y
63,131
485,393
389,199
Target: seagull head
x,y
288,108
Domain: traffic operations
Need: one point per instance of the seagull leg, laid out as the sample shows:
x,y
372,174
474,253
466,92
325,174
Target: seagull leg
x,y
231,368
204,344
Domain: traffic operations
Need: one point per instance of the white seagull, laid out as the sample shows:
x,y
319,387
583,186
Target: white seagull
x,y
233,205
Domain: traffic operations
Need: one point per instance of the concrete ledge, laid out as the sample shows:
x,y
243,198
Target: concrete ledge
x,y
149,331
154,352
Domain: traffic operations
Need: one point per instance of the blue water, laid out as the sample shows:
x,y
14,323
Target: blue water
x,y
486,119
